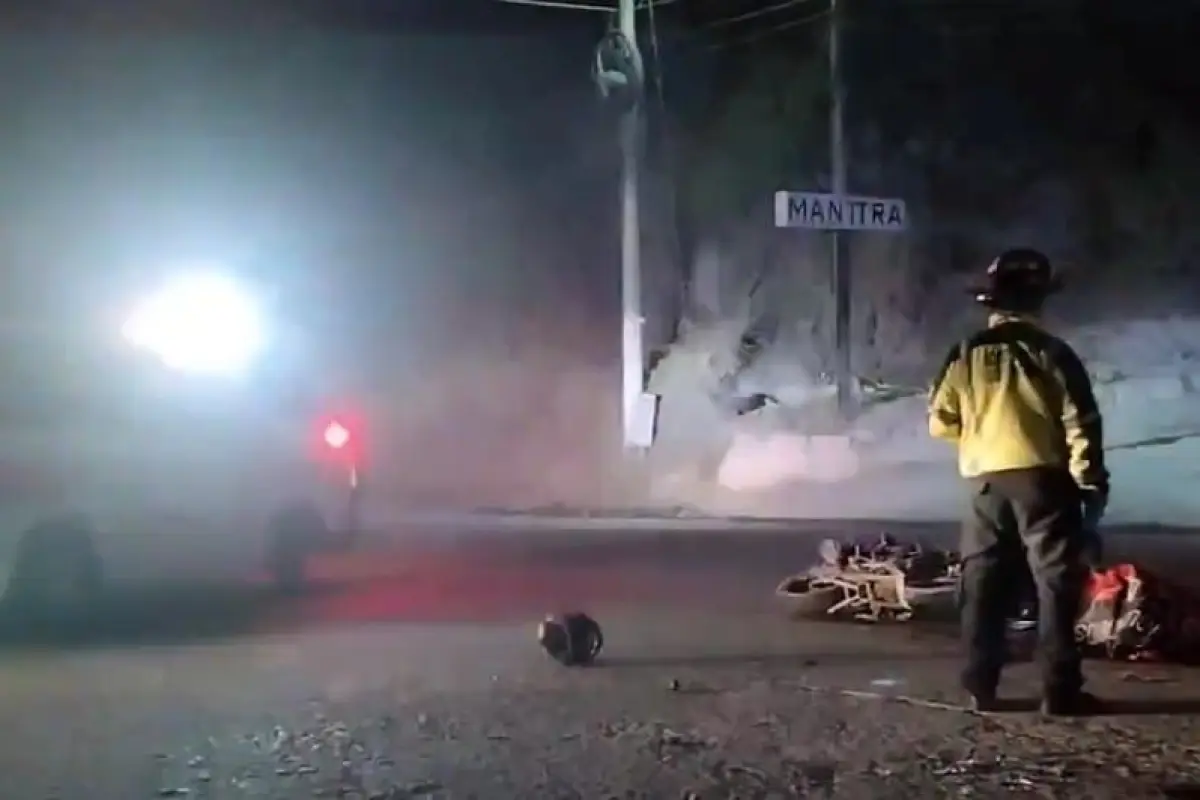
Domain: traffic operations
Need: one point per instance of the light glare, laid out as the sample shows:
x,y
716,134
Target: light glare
x,y
200,324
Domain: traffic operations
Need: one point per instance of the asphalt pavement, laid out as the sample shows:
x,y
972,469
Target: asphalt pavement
x,y
417,675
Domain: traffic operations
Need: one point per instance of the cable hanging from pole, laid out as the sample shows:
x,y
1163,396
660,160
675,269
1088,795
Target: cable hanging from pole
x,y
669,163
655,58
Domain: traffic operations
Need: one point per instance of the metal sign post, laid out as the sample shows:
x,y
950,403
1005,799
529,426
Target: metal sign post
x,y
839,255
840,213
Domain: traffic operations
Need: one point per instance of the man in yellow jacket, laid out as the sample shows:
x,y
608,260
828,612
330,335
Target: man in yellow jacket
x,y
1018,403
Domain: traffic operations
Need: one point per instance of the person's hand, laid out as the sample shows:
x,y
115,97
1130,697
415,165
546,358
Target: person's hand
x,y
1093,550
1095,503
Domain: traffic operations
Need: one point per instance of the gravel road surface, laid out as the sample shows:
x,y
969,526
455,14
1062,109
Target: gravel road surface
x,y
425,682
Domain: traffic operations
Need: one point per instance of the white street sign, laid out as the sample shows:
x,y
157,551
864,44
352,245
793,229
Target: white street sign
x,y
829,212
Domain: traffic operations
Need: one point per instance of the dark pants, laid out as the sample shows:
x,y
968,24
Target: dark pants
x,y
1023,522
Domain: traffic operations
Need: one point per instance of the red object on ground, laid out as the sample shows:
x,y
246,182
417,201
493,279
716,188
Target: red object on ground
x,y
1131,614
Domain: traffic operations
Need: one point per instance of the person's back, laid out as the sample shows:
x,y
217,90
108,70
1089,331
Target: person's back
x,y
1019,405
1025,400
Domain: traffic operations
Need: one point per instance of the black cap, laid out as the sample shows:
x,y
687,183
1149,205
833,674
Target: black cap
x,y
1017,280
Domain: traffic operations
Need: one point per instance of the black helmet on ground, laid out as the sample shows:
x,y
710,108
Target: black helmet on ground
x,y
1019,280
573,640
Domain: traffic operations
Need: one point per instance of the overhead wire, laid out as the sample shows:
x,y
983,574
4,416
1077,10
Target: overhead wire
x,y
771,31
761,12
1036,7
1032,17
568,5
561,4
658,80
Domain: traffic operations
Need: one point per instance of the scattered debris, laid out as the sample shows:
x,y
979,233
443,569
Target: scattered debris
x,y
900,698
1139,677
757,741
670,738
819,776
691,687
1011,774
423,787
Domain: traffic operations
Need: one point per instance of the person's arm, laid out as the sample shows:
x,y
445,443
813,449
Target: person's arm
x,y
945,413
1082,422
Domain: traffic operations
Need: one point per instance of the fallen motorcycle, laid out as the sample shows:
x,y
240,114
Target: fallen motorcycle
x,y
1127,612
880,580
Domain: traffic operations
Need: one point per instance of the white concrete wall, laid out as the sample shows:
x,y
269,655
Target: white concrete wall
x,y
772,464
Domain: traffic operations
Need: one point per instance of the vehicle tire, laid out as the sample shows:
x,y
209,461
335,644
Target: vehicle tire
x,y
802,599
293,534
56,574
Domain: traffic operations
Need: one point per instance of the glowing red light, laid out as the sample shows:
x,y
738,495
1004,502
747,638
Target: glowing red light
x,y
336,435
339,439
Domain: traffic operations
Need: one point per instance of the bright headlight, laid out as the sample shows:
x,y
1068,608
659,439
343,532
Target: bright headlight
x,y
205,324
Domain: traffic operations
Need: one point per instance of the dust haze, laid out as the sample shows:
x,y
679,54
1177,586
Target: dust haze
x,y
412,234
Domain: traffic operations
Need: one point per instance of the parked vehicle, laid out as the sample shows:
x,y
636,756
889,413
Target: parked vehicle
x,y
169,460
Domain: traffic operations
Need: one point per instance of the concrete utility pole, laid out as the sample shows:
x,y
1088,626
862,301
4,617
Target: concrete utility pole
x,y
632,353
840,257
625,79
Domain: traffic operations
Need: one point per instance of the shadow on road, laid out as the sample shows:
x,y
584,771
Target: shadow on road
x,y
499,577
455,593
1183,706
796,661
177,615
432,590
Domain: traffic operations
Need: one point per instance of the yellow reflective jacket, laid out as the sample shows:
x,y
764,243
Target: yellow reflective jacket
x,y
1013,396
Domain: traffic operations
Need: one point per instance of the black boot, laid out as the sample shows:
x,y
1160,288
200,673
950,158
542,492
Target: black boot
x,y
982,691
984,702
1072,704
